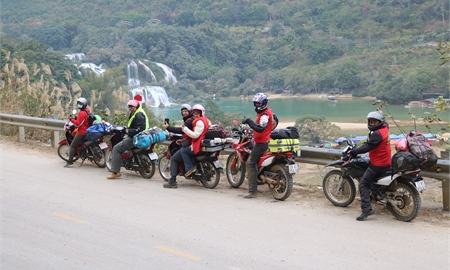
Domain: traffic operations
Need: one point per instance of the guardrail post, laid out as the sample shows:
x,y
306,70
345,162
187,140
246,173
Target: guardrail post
x,y
54,136
445,194
21,130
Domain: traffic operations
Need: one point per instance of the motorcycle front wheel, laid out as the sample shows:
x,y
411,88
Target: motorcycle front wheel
x,y
340,191
235,176
63,152
99,156
406,201
283,189
148,167
164,168
210,175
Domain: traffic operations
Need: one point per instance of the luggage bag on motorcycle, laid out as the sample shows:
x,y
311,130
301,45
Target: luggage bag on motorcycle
x,y
216,131
285,133
404,161
148,137
284,145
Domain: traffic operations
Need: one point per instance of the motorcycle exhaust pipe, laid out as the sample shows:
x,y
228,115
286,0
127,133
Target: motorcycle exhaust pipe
x,y
268,181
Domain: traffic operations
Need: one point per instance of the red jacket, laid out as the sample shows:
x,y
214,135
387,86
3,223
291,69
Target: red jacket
x,y
264,136
81,121
196,143
381,155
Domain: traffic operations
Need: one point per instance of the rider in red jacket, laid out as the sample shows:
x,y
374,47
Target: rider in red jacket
x,y
379,148
82,123
262,127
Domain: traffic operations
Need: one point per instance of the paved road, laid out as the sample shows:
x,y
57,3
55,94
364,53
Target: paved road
x,y
59,218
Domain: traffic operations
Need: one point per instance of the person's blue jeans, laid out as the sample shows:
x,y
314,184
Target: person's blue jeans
x,y
187,155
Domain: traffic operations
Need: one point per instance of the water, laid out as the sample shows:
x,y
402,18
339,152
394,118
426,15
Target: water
x,y
351,110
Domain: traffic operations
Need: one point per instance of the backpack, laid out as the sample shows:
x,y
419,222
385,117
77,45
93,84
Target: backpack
x,y
421,149
92,118
404,161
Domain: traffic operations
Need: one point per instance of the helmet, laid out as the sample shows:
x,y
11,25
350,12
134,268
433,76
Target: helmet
x,y
261,98
187,107
375,116
82,101
133,103
200,108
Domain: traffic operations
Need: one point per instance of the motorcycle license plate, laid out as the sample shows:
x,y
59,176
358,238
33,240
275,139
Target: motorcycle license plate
x,y
103,145
218,163
293,168
153,156
420,185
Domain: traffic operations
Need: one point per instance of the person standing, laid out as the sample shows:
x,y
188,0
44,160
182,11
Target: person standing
x,y
379,148
262,127
81,121
137,122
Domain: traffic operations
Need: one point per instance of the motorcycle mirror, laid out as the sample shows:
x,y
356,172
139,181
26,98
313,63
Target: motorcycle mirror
x,y
74,111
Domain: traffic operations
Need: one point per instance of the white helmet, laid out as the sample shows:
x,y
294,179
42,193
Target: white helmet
x,y
82,101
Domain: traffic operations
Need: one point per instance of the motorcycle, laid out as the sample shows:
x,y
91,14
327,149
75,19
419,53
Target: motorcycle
x,y
137,159
91,150
398,191
274,168
207,162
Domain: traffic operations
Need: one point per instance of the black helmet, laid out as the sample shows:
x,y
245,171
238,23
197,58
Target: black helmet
x,y
375,116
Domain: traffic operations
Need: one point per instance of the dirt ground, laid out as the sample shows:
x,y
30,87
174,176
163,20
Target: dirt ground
x,y
307,185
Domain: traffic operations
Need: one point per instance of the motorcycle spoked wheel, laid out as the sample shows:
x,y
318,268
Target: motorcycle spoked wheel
x,y
210,175
340,191
99,156
63,152
108,159
164,168
284,188
235,176
408,202
149,167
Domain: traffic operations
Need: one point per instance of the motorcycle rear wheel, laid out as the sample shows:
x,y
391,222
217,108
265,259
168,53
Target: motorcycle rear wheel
x,y
99,156
149,167
108,159
408,202
164,168
338,190
284,189
211,175
236,176
63,152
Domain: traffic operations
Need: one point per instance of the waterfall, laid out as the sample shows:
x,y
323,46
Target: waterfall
x,y
132,74
98,70
153,96
168,73
149,71
75,56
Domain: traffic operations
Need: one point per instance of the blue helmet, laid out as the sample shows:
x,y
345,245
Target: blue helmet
x,y
260,98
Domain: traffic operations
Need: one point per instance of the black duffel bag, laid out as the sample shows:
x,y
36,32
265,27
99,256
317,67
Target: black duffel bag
x,y
285,133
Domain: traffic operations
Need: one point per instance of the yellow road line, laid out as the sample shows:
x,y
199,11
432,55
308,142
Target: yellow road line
x,y
176,252
67,217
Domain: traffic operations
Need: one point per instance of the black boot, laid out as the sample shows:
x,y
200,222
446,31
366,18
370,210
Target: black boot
x,y
365,214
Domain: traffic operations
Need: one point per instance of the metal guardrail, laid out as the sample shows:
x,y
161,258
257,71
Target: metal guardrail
x,y
311,155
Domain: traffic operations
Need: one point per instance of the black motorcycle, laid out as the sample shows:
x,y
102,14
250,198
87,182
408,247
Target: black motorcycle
x,y
137,159
398,191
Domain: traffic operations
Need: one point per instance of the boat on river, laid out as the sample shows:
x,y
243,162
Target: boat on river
x,y
332,99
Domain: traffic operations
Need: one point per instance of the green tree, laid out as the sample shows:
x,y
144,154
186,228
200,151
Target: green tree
x,y
315,128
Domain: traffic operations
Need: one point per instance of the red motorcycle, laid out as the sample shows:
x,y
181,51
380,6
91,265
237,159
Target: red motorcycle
x,y
137,159
274,168
207,162
91,150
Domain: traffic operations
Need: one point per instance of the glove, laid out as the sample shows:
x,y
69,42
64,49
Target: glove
x,y
350,153
245,120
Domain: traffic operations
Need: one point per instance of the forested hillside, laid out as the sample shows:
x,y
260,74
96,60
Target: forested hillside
x,y
383,48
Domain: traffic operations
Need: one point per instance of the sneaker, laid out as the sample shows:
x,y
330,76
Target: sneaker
x,y
170,185
68,164
364,215
250,195
114,175
191,171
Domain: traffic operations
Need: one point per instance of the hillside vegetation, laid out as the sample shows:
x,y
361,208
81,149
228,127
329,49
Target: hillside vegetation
x,y
382,48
